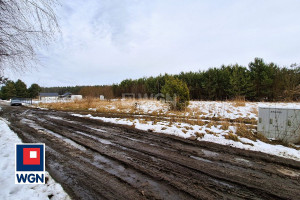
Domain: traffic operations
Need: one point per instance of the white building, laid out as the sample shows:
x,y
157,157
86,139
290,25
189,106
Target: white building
x,y
77,97
46,97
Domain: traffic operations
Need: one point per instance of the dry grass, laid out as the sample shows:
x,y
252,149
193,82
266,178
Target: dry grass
x,y
239,101
178,126
254,110
243,131
211,123
293,146
143,121
156,117
200,135
130,106
84,104
104,106
154,122
195,111
261,137
228,111
184,131
231,136
225,125
210,132
196,122
188,127
245,127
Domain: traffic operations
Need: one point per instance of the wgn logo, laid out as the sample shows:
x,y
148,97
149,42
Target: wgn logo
x,y
30,164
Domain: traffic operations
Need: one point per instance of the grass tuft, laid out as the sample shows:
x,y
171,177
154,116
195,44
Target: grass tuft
x,y
200,135
225,125
239,101
243,131
232,136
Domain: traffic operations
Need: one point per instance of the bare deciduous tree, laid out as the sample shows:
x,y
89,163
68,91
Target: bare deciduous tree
x,y
25,25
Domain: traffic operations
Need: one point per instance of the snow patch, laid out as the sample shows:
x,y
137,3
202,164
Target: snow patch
x,y
179,129
8,189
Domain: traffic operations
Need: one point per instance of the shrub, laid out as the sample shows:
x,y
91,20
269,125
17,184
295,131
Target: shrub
x,y
178,91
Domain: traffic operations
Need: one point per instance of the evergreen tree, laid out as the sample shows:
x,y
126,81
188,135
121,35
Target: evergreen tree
x,y
151,84
177,90
21,89
9,90
3,80
262,77
287,83
240,84
34,90
210,83
194,81
260,81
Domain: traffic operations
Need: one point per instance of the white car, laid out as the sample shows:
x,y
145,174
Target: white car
x,y
15,102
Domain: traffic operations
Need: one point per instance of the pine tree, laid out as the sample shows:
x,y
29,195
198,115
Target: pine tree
x,y
178,90
262,77
34,90
21,89
9,90
240,84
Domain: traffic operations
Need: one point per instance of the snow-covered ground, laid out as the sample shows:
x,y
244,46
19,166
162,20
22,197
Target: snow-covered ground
x,y
213,132
219,109
210,133
231,110
8,188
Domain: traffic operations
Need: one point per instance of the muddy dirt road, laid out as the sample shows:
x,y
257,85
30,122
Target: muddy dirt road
x,y
96,160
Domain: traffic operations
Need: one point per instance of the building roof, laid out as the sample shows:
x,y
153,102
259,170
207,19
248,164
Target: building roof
x,y
48,94
66,94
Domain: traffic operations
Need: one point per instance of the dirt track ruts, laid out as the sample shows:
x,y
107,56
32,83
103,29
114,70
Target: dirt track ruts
x,y
97,160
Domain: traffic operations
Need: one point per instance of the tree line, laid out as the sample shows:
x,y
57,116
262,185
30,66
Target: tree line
x,y
61,90
85,91
259,81
18,89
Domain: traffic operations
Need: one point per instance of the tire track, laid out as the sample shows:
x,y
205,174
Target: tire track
x,y
117,162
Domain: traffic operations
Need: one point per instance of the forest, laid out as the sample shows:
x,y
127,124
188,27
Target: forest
x,y
19,89
259,81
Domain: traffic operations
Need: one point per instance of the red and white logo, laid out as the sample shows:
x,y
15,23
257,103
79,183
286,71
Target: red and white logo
x,y
31,156
30,163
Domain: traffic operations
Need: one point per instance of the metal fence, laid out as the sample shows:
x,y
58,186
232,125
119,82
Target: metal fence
x,y
26,100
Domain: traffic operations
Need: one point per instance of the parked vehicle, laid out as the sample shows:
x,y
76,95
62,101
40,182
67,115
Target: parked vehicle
x,y
15,102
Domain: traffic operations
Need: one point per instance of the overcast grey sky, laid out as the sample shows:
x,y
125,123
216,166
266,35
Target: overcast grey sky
x,y
106,41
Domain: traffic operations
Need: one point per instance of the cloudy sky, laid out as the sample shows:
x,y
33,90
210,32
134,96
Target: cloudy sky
x,y
106,41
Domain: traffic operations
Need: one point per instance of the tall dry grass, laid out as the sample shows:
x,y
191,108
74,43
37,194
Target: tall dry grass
x,y
239,101
106,106
243,131
193,115
232,136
